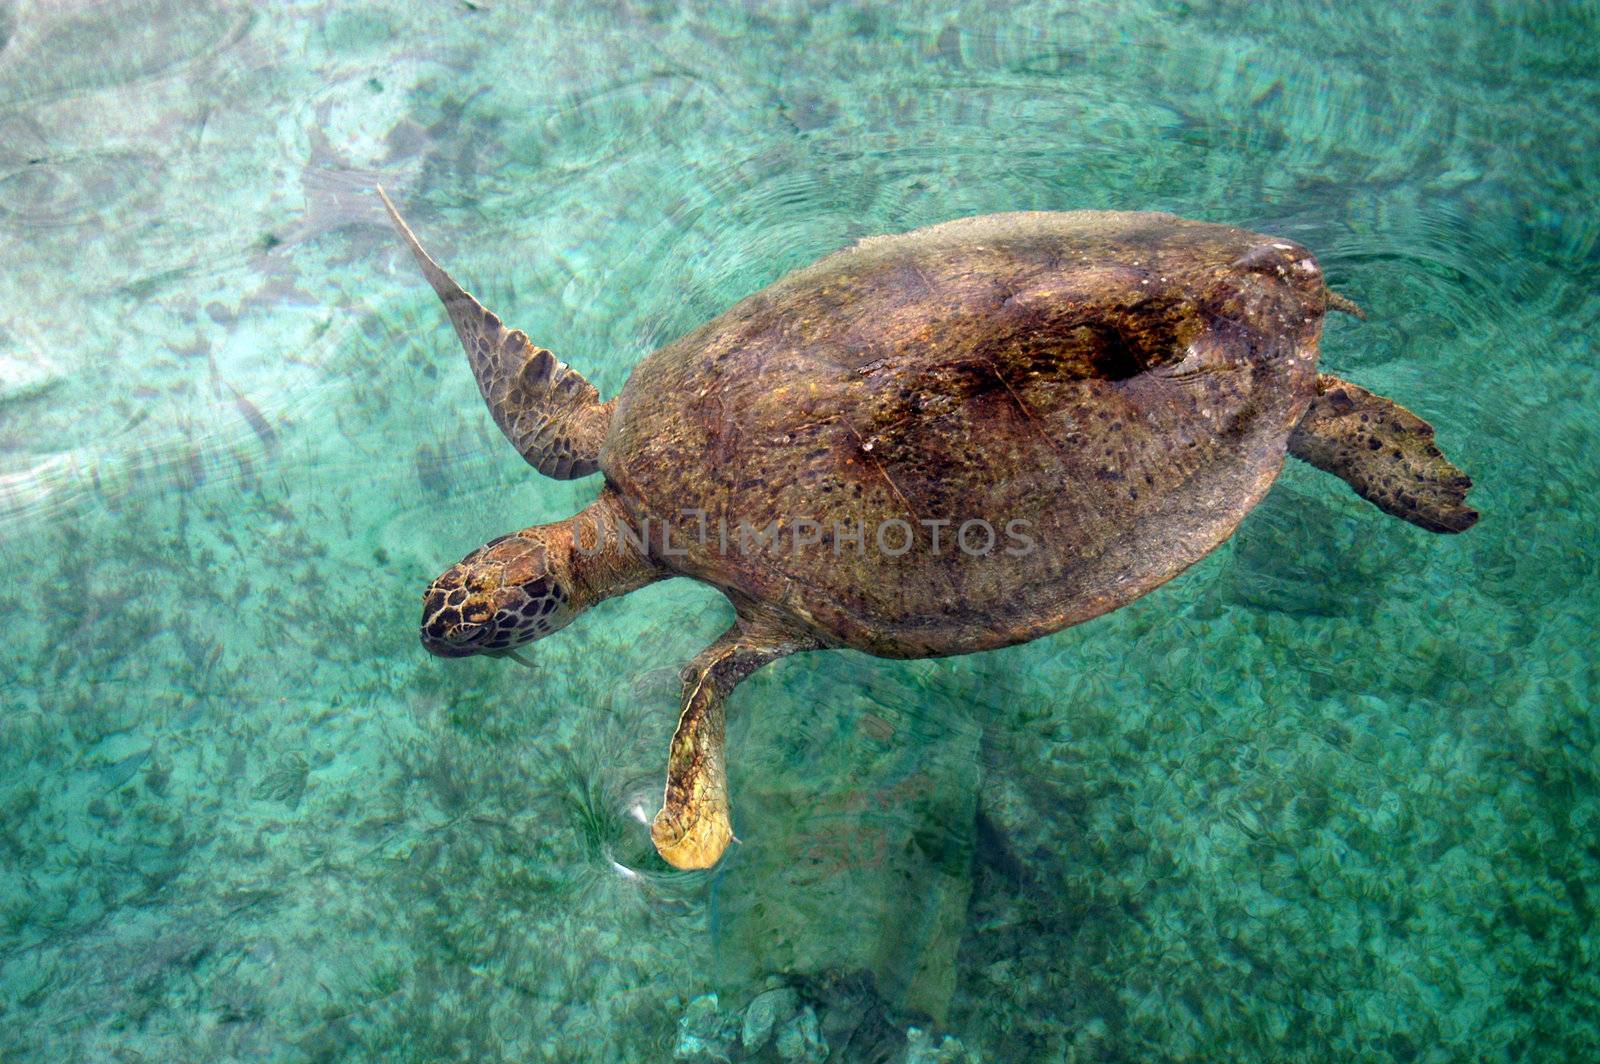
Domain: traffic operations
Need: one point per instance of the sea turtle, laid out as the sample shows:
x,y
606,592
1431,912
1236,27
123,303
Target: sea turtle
x,y
953,439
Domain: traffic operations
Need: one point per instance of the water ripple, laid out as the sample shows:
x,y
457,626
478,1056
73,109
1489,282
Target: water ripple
x,y
76,47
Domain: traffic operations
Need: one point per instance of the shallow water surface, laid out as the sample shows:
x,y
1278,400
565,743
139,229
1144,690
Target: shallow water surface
x,y
1331,794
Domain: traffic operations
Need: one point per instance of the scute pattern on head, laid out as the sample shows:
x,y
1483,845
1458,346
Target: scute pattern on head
x,y
497,598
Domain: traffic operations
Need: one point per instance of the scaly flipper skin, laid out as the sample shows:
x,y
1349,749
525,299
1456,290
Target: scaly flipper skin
x,y
693,828
1386,453
547,410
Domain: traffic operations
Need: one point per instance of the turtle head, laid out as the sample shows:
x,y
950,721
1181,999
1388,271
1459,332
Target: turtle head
x,y
522,587
508,592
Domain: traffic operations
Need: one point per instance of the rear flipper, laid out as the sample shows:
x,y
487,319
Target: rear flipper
x,y
1386,453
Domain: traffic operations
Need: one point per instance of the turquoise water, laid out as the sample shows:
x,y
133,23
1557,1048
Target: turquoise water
x,y
1332,794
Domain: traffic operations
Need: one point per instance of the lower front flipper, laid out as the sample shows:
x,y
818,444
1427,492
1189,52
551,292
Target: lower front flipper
x,y
693,828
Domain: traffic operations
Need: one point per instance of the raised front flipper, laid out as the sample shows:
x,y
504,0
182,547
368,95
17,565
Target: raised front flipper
x,y
1386,453
547,410
693,827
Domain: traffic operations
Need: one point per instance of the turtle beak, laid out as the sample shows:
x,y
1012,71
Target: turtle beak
x,y
445,647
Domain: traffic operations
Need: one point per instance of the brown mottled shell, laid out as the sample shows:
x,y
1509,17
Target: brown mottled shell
x,y
1107,394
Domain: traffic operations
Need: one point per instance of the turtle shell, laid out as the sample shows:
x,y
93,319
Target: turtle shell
x,y
973,434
